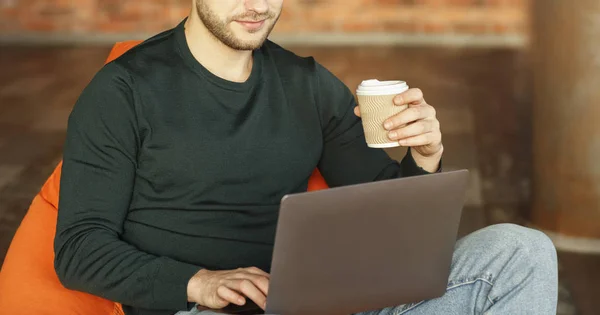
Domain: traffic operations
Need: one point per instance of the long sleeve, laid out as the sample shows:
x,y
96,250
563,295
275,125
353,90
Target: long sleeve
x,y
96,187
346,159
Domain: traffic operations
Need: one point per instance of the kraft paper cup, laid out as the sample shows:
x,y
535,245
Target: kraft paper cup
x,y
375,100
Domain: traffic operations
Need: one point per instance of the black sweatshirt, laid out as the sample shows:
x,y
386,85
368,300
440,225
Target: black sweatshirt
x,y
169,169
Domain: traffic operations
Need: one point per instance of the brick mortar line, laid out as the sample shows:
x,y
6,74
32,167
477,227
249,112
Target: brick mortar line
x,y
318,39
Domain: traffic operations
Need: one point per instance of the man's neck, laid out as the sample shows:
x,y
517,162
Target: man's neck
x,y
221,60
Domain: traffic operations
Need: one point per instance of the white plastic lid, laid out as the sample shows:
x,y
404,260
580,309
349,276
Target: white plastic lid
x,y
376,87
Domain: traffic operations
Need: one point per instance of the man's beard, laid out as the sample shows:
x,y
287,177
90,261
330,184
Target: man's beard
x,y
220,29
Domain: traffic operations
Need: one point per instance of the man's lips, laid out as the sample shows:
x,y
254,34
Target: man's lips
x,y
252,25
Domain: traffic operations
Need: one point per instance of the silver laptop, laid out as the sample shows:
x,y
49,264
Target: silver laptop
x,y
364,247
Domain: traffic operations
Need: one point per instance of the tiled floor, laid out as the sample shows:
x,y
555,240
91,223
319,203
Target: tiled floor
x,y
481,96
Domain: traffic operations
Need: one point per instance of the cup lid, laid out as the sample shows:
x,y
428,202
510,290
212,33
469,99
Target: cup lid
x,y
376,87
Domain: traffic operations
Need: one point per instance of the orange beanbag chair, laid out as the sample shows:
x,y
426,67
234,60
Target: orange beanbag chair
x,y
28,282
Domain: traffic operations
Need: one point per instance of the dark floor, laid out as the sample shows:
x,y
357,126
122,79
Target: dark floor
x,y
481,96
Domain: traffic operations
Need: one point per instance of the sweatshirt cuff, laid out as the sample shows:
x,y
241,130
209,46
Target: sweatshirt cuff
x,y
170,284
410,167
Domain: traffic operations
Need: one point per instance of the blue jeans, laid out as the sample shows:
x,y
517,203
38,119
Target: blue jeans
x,y
501,269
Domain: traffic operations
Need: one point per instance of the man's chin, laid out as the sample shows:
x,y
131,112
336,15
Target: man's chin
x,y
250,42
252,46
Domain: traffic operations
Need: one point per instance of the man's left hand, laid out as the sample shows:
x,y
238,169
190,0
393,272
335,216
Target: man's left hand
x,y
416,127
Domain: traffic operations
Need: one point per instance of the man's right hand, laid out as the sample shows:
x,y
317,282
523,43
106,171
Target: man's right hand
x,y
217,289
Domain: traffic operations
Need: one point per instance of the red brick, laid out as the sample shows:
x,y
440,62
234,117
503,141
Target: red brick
x,y
433,3
361,26
471,29
435,28
300,16
399,26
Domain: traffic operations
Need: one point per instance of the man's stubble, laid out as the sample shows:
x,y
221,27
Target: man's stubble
x,y
219,29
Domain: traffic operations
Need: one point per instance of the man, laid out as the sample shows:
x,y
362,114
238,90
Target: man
x,y
178,153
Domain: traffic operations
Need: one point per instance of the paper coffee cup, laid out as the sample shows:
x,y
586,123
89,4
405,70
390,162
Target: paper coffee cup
x,y
376,103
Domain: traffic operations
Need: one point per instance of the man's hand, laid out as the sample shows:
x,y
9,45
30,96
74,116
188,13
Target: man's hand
x,y
417,127
217,289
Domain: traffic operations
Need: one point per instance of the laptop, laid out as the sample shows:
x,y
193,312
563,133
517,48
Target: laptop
x,y
364,247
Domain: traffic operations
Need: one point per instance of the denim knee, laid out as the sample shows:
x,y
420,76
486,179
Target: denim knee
x,y
535,245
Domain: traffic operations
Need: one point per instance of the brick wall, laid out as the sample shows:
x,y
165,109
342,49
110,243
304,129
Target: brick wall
x,y
462,17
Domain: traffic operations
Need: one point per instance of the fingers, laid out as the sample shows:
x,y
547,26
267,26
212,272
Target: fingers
x,y
422,139
414,129
257,271
258,277
249,289
221,288
261,282
357,111
409,97
230,296
410,115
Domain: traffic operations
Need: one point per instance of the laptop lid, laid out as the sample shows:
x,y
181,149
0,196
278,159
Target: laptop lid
x,y
365,247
